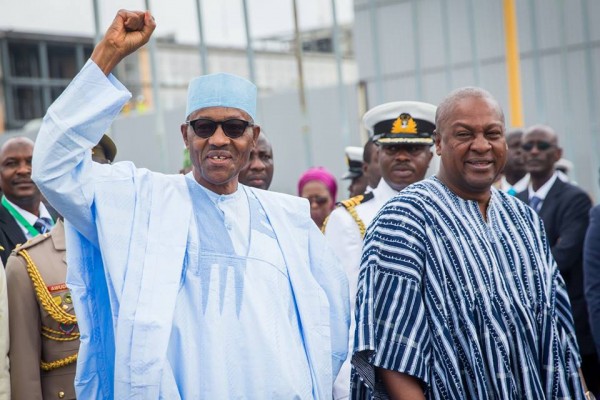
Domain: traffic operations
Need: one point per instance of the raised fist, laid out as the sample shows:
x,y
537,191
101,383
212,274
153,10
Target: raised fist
x,y
129,31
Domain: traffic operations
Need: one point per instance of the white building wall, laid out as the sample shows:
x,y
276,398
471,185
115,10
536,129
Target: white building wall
x,y
429,47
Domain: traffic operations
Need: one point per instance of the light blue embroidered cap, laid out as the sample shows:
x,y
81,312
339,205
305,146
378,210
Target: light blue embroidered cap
x,y
221,90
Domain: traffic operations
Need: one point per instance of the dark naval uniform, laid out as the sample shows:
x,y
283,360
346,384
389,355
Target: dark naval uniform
x,y
44,336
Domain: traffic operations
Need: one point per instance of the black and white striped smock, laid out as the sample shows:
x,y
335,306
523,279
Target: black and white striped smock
x,y
474,309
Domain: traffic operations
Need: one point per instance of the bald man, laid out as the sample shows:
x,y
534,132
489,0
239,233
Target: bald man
x,y
22,213
458,295
515,178
258,172
564,208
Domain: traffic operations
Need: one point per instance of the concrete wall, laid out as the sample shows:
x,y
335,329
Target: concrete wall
x,y
429,47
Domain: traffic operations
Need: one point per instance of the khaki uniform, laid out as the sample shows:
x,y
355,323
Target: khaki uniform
x,y
43,329
4,338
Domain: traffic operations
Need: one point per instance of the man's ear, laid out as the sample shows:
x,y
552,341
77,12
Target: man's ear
x,y
437,139
255,133
184,130
559,153
430,156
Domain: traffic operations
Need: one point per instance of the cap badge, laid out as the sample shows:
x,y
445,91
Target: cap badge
x,y
404,124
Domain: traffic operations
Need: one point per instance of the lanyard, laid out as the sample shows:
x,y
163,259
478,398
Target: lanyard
x,y
21,219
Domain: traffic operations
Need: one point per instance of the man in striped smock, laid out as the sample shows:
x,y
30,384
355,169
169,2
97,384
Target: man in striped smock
x,y
458,295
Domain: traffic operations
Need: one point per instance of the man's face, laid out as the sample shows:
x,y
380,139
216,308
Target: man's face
x,y
540,152
472,146
218,160
15,172
358,185
371,168
404,164
259,171
515,161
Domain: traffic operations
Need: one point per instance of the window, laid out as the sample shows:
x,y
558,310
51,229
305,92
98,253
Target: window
x,y
24,60
27,102
36,72
62,62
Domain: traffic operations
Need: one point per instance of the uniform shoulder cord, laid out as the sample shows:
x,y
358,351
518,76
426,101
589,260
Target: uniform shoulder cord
x,y
57,313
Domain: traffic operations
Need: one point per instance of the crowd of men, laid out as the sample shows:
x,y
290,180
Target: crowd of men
x,y
480,282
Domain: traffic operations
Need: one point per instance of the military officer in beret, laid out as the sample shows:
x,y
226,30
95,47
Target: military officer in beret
x,y
403,132
43,326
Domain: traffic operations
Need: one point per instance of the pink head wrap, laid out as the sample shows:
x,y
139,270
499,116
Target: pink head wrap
x,y
319,174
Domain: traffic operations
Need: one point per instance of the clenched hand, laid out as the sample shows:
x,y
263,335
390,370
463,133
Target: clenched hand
x,y
129,31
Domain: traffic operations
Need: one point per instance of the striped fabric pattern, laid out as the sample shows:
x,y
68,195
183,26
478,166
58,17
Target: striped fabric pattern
x,y
474,309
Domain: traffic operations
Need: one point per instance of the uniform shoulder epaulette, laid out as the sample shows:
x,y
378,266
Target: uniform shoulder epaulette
x,y
30,243
350,205
356,200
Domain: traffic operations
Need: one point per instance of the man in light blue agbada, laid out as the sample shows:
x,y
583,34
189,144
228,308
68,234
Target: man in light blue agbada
x,y
188,286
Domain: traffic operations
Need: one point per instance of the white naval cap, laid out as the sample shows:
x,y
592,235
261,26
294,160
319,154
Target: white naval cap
x,y
354,157
401,122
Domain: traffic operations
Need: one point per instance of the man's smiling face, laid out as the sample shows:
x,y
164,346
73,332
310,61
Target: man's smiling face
x,y
218,159
472,146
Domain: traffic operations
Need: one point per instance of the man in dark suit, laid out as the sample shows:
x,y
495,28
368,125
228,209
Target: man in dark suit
x,y
591,269
22,213
564,208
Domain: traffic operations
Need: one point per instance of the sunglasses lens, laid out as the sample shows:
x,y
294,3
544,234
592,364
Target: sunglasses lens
x,y
527,146
234,128
204,128
540,145
543,146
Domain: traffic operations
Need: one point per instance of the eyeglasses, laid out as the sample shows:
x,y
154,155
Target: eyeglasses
x,y
319,200
233,128
541,145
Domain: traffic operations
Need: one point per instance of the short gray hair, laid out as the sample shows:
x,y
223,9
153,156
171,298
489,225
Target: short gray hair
x,y
447,105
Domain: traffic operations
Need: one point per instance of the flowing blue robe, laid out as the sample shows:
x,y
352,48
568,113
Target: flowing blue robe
x,y
127,238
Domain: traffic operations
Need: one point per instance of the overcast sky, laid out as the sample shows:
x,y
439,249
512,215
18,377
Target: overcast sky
x,y
222,19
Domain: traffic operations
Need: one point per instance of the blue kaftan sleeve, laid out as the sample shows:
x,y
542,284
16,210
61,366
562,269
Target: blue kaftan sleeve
x,y
328,272
74,123
391,329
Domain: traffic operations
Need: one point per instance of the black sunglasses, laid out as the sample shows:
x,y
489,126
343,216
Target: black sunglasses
x,y
233,128
541,145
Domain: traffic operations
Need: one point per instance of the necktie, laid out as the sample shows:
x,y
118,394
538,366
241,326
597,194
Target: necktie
x,y
42,225
535,203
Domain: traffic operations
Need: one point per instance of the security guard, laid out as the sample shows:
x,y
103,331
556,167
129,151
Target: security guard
x,y
44,336
403,131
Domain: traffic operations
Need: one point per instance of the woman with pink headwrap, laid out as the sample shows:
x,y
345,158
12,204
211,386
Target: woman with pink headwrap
x,y
319,187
